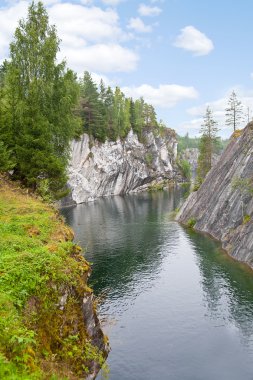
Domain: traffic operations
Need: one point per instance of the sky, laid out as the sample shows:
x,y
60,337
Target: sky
x,y
180,55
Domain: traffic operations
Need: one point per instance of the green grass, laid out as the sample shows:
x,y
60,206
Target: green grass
x,y
38,264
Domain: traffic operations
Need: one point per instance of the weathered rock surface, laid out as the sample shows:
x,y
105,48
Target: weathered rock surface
x,y
119,167
191,155
223,206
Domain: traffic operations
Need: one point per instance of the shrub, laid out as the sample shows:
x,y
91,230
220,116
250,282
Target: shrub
x,y
185,168
149,159
191,222
244,185
246,219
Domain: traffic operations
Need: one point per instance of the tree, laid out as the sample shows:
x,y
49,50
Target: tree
x,y
92,108
5,158
234,111
132,115
248,115
40,96
139,117
207,144
149,115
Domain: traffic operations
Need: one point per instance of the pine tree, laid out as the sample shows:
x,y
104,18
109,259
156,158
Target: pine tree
x,y
207,144
234,111
139,114
109,102
92,108
149,115
40,96
6,162
118,113
132,115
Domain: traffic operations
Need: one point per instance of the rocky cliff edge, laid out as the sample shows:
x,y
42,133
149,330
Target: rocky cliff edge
x,y
223,205
120,167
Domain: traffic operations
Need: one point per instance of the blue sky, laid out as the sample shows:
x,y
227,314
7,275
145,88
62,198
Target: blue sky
x,y
180,55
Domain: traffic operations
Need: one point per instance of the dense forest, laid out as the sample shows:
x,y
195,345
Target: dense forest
x,y
43,106
187,142
108,113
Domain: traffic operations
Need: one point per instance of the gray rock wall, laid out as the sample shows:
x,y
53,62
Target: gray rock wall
x,y
223,206
119,167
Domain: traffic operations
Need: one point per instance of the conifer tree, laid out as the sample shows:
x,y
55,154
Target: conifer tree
x,y
132,115
234,111
139,112
92,108
109,102
40,96
207,144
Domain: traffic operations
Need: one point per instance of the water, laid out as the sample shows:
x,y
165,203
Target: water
x,y
174,305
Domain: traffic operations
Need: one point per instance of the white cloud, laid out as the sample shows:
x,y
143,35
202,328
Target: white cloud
x,y
101,57
86,2
146,10
113,3
194,124
193,40
166,95
251,75
91,24
218,107
91,38
97,79
8,22
138,25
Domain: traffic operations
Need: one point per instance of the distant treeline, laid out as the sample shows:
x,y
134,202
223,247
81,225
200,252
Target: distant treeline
x,y
186,141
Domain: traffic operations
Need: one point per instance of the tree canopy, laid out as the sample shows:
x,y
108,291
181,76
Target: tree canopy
x,y
37,98
108,113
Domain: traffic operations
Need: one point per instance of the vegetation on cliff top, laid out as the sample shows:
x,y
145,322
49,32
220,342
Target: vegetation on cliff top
x,y
42,335
43,106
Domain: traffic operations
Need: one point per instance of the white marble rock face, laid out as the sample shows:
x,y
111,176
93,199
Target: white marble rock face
x,y
111,168
223,205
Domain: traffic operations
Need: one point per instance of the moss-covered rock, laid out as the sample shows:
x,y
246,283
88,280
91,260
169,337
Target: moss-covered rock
x,y
48,326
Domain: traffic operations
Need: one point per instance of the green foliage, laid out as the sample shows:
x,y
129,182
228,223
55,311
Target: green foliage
x,y
246,219
110,115
157,186
39,95
149,159
234,111
185,142
37,263
207,145
185,168
6,162
191,222
196,186
244,185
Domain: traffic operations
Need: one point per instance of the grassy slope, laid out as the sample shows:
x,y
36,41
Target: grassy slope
x,y
39,264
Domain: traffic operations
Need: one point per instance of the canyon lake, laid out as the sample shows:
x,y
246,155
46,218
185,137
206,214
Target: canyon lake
x,y
175,307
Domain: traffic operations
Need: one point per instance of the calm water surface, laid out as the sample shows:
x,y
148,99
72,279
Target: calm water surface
x,y
174,306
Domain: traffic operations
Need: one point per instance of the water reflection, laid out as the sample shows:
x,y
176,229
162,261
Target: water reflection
x,y
227,285
124,236
181,308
